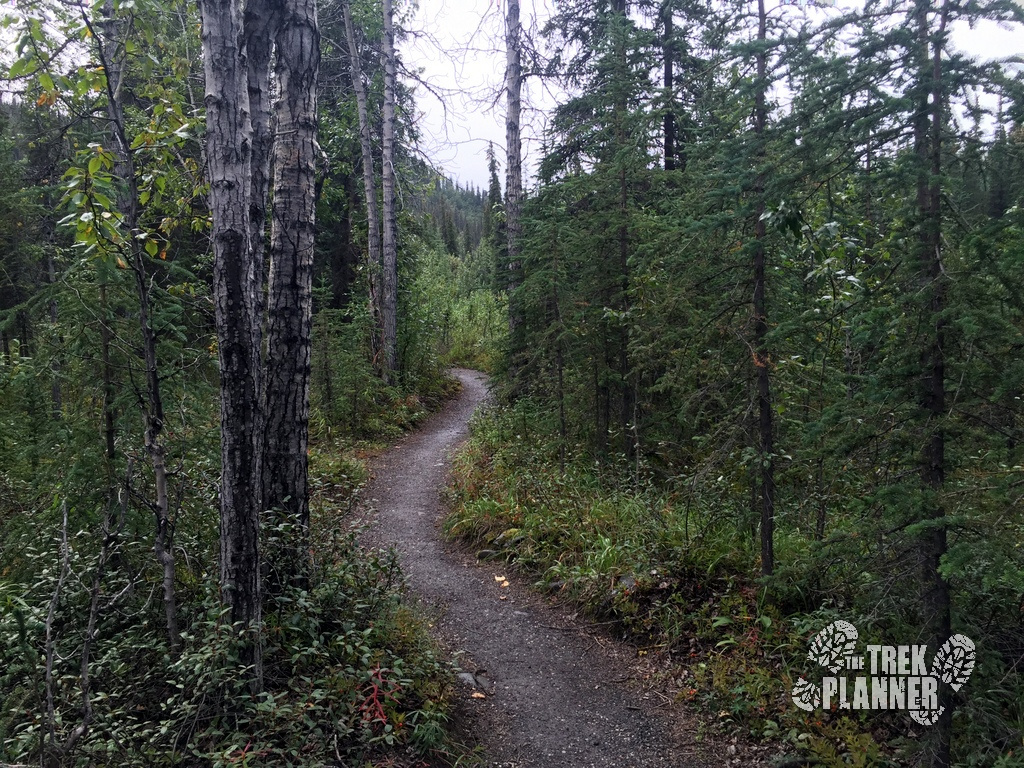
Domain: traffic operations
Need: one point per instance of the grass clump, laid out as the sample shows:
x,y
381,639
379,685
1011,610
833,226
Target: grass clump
x,y
677,572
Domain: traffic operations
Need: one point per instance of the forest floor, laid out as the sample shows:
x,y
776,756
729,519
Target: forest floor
x,y
539,687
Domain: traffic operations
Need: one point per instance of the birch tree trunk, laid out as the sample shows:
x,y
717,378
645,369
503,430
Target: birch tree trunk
x,y
229,136
373,256
514,154
260,23
390,243
110,51
290,301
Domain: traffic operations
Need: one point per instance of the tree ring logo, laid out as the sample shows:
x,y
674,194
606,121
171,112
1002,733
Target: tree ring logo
x,y
891,677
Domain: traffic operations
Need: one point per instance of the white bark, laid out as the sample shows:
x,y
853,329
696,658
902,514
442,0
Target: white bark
x,y
228,152
513,150
373,256
390,250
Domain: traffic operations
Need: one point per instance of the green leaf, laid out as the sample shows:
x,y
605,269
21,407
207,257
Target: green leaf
x,y
18,68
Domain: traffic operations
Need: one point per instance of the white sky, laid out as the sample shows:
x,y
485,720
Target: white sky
x,y
460,50
458,47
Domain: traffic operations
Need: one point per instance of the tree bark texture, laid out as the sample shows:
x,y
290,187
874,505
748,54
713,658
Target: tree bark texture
x,y
390,241
290,301
260,22
514,153
229,154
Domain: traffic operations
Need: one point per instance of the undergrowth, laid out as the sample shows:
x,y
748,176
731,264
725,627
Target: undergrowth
x,y
675,578
351,677
88,677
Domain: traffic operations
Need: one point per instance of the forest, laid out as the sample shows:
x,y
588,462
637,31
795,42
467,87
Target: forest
x,y
752,308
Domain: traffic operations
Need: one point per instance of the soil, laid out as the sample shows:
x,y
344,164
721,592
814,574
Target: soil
x,y
539,688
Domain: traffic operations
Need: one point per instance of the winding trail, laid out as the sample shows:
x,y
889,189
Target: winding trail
x,y
553,693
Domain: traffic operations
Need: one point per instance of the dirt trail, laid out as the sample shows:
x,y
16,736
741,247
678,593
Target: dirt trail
x,y
555,694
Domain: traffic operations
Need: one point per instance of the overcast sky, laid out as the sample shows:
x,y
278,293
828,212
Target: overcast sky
x,y
458,47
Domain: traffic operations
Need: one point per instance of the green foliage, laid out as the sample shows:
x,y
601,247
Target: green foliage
x,y
461,318
672,571
349,674
888,332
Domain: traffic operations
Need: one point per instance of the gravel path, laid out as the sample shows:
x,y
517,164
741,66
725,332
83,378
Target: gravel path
x,y
539,689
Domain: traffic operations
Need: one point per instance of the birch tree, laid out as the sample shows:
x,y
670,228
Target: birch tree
x,y
514,152
229,137
260,23
110,51
373,245
390,242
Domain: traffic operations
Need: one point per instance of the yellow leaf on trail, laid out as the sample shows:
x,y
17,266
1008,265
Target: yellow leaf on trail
x,y
499,578
478,695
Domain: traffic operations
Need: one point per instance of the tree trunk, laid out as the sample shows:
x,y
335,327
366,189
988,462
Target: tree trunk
x,y
109,429
626,392
670,118
933,544
259,25
55,393
110,50
762,359
373,245
390,241
514,156
290,299
228,151
344,255
559,330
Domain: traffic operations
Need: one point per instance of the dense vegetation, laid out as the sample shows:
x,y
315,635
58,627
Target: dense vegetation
x,y
117,645
757,323
766,370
